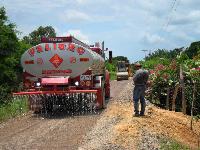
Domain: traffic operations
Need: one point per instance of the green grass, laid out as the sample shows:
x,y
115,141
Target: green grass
x,y
14,108
172,145
113,76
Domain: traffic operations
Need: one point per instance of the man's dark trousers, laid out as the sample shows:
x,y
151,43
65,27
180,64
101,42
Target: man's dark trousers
x,y
139,94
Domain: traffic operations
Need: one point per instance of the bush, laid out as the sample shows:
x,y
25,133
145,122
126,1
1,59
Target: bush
x,y
13,108
172,145
113,76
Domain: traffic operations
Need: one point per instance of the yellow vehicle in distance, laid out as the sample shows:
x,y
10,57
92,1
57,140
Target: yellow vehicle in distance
x,y
123,70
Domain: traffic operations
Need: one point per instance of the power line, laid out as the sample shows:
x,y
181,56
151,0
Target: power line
x,y
174,6
169,15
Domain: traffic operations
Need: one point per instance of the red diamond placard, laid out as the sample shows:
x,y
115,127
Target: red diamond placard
x,y
56,60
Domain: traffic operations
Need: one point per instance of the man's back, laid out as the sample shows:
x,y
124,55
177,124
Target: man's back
x,y
141,76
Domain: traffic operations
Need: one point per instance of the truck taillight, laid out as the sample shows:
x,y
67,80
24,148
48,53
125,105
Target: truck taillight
x,y
88,83
82,83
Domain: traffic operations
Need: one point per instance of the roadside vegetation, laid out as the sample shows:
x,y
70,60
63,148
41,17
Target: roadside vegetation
x,y
167,144
175,79
13,108
175,85
11,49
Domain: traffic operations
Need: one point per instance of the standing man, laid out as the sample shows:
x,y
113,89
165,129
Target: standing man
x,y
140,80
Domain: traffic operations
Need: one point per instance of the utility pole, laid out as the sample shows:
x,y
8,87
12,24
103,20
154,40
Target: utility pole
x,y
144,50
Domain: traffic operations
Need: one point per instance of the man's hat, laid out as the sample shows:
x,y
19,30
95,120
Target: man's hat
x,y
138,65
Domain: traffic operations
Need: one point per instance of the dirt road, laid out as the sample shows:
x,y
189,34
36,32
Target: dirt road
x,y
58,132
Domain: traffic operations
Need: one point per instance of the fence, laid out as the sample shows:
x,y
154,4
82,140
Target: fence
x,y
179,96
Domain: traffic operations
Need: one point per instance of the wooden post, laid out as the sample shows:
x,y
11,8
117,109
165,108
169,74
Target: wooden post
x,y
193,100
182,90
167,100
174,97
199,141
152,96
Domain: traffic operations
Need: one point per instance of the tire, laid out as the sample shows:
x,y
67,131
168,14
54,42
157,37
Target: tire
x,y
103,94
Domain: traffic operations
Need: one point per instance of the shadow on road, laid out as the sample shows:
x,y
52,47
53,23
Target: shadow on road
x,y
61,114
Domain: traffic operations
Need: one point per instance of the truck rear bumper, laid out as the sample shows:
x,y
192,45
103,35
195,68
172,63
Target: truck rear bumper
x,y
54,92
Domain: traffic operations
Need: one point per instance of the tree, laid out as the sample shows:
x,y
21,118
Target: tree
x,y
193,49
8,46
8,37
34,37
121,58
11,50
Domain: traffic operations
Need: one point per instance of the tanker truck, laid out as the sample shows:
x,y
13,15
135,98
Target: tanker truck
x,y
64,72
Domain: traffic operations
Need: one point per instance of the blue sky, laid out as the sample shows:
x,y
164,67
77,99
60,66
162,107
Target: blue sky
x,y
127,26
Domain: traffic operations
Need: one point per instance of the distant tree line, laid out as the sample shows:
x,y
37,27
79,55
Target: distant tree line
x,y
164,56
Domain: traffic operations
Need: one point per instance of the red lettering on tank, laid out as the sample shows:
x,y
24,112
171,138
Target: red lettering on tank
x,y
47,48
31,51
80,50
61,46
39,49
71,47
28,62
56,71
54,46
84,59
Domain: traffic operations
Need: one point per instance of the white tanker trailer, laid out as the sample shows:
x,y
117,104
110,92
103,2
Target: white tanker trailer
x,y
63,71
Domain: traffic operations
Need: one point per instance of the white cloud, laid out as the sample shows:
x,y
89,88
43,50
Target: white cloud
x,y
188,18
74,16
183,36
152,38
81,1
78,34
